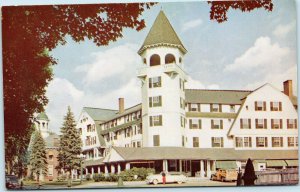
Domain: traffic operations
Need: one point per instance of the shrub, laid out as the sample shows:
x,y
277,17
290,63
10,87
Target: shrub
x,y
99,177
88,177
142,173
62,177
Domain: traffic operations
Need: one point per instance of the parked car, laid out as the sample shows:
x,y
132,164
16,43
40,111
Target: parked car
x,y
170,178
224,175
12,182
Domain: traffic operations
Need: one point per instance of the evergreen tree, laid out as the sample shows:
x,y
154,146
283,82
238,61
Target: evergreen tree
x,y
69,145
249,176
38,158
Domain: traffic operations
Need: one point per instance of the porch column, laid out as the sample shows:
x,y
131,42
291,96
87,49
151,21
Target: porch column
x,y
180,166
127,166
208,169
201,168
119,168
105,170
98,171
112,169
92,172
165,165
213,166
86,171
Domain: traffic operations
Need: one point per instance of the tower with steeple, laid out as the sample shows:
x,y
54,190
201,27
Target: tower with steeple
x,y
163,77
42,123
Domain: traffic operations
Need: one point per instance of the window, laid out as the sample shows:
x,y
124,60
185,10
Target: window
x,y
194,107
181,84
245,123
154,60
215,108
247,142
217,142
261,142
276,123
140,129
195,141
138,144
232,108
155,101
261,123
195,123
50,157
182,103
89,128
169,59
260,106
156,120
243,142
156,141
277,141
216,124
154,82
239,142
276,106
292,141
292,123
50,170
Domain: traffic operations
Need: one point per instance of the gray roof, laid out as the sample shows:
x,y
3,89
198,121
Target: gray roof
x,y
42,116
159,153
93,162
126,111
98,114
162,33
215,96
52,141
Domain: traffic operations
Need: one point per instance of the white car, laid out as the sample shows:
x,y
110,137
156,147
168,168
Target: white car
x,y
170,178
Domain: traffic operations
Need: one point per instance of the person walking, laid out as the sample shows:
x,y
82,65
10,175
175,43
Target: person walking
x,y
163,177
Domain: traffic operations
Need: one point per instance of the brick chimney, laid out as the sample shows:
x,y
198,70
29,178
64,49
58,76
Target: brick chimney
x,y
121,105
288,88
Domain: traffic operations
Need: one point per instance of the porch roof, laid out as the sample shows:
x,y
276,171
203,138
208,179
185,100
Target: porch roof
x,y
159,153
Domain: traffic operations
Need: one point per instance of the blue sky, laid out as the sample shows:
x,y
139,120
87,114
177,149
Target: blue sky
x,y
247,51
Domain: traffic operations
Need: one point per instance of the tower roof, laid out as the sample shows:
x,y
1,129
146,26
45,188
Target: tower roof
x,y
162,33
42,116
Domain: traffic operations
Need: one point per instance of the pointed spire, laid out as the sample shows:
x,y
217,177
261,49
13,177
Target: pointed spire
x,y
162,33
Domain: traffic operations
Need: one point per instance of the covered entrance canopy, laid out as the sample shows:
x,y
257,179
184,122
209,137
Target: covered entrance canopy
x,y
292,163
226,165
276,163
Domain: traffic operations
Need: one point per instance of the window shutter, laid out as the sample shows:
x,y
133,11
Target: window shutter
x,y
256,141
265,123
159,80
150,101
212,124
271,106
255,105
190,123
296,124
189,106
272,123
212,142
241,123
211,108
266,141
222,143
265,106
220,107
200,124
250,141
150,82
160,101
280,106
281,141
160,120
221,121
249,122
280,124
199,110
256,123
151,123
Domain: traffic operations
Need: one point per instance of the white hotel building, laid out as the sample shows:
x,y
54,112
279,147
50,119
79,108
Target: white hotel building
x,y
189,131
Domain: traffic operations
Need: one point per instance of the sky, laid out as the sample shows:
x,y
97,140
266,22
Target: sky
x,y
243,53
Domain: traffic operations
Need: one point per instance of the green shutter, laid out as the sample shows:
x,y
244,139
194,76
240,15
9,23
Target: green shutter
x,y
151,123
280,124
249,122
160,101
199,110
200,124
265,106
212,124
150,82
221,124
280,106
220,107
265,124
190,124
160,119
150,101
222,142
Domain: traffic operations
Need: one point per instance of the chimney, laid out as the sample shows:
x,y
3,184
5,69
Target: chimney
x,y
288,88
121,105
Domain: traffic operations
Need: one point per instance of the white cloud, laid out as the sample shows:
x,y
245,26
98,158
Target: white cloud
x,y
282,31
261,56
115,61
196,84
191,24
